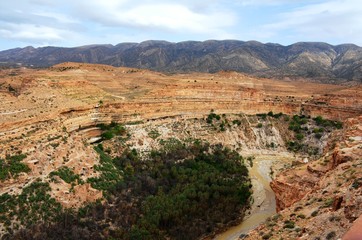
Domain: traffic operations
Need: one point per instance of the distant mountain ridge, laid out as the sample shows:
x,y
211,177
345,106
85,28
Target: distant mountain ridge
x,y
319,61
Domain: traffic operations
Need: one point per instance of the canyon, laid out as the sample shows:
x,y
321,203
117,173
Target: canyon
x,y
53,116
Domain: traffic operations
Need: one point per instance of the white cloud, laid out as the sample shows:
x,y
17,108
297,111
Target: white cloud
x,y
175,17
74,22
32,33
270,2
59,17
338,21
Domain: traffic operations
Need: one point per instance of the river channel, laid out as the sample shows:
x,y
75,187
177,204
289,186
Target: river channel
x,y
264,204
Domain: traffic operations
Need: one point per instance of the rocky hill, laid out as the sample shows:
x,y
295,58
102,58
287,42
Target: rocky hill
x,y
317,61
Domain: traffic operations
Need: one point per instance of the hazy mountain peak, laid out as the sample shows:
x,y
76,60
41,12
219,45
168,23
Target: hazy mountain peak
x,y
314,60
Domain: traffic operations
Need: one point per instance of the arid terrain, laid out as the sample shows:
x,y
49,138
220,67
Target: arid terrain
x,y
305,138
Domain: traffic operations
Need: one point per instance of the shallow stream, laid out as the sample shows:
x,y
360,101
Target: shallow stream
x,y
264,204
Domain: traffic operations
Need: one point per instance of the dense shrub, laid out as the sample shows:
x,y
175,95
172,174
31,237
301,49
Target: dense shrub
x,y
33,205
111,130
12,166
181,191
66,174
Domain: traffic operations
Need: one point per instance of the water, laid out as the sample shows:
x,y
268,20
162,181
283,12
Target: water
x,y
264,204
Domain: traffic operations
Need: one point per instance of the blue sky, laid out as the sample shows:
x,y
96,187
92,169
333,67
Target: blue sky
x,y
70,23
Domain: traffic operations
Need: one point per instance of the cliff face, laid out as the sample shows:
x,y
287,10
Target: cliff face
x,y
323,192
317,61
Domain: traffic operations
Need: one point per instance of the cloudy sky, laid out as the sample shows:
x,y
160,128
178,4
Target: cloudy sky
x,y
70,23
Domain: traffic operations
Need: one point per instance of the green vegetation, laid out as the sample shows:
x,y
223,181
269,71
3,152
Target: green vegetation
x,y
111,130
212,116
318,135
181,191
357,183
327,123
215,120
110,176
11,89
328,202
302,216
299,136
154,134
33,205
277,115
299,125
250,160
270,114
331,235
67,175
202,185
262,115
314,213
289,224
12,166
296,123
267,236
237,122
259,125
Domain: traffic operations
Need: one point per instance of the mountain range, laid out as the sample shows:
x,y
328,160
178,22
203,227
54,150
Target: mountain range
x,y
312,60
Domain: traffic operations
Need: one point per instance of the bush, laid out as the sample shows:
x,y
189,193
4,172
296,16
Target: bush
x,y
111,130
289,224
328,202
318,135
267,236
66,174
154,134
294,146
250,160
237,122
107,135
302,216
299,136
278,115
331,235
261,115
314,213
327,123
212,116
260,125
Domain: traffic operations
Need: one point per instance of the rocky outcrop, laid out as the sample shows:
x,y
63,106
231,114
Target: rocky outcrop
x,y
77,197
287,194
354,233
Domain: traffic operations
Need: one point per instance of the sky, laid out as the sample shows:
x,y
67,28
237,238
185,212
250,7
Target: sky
x,y
71,23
